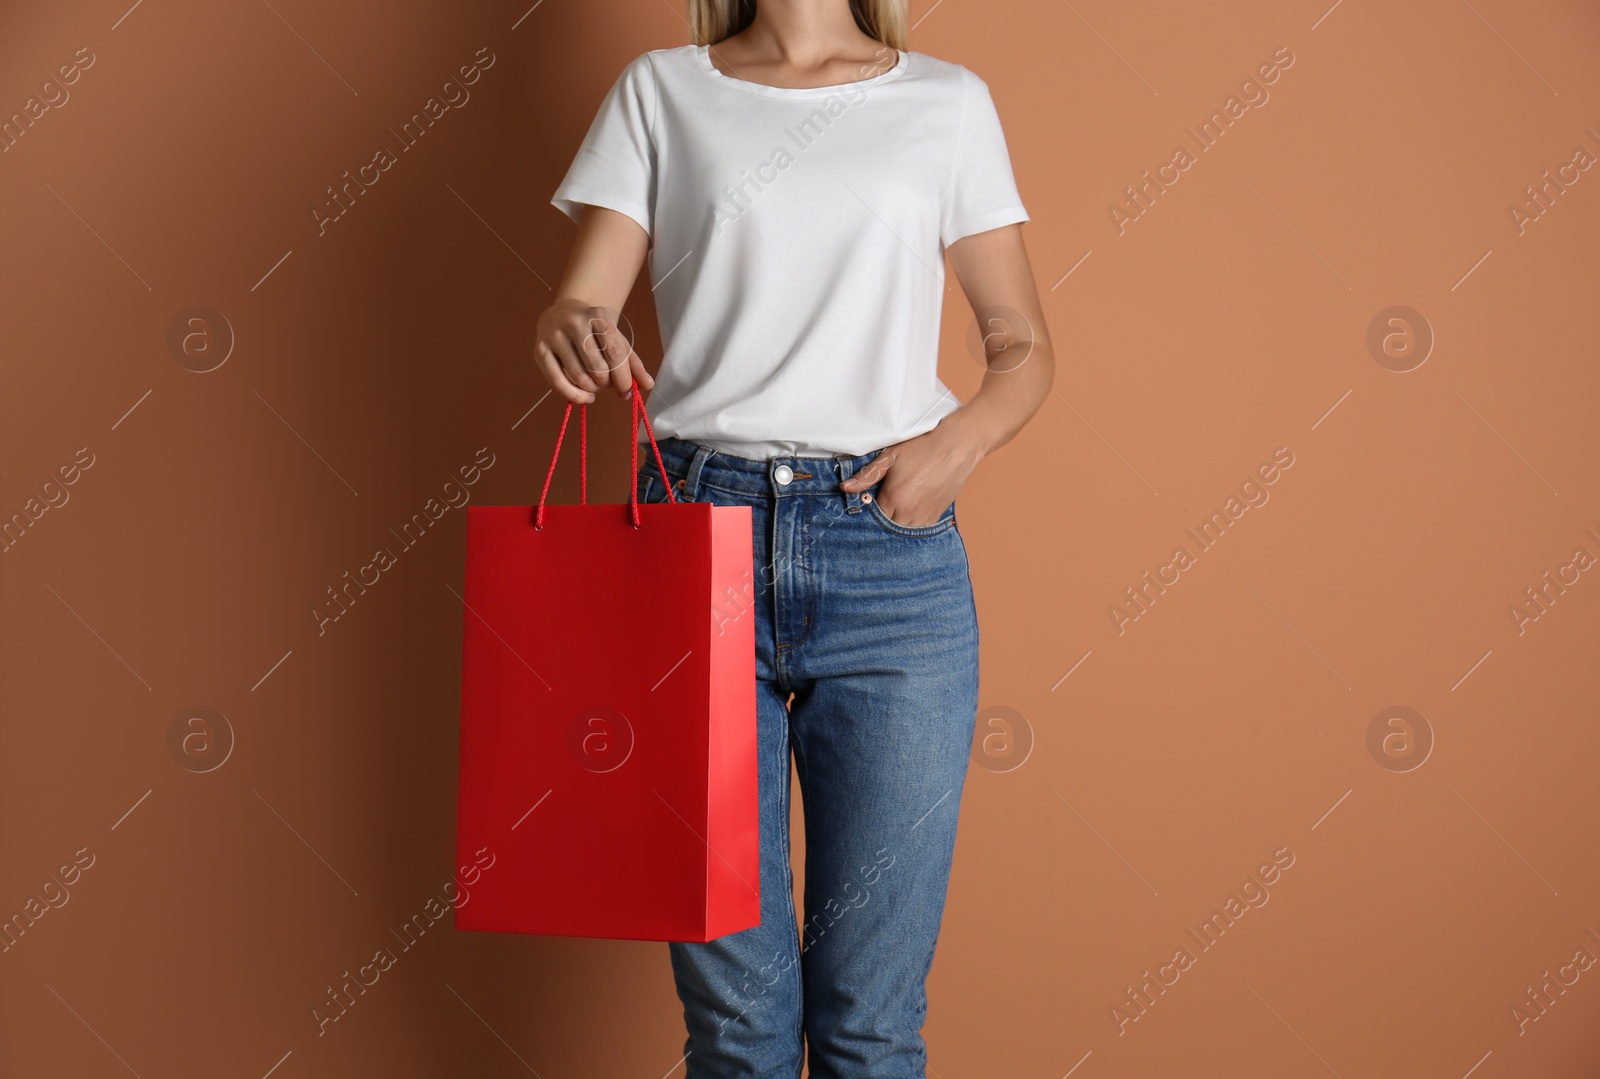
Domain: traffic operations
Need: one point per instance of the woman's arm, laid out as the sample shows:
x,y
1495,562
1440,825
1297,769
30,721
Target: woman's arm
x,y
577,344
922,475
993,270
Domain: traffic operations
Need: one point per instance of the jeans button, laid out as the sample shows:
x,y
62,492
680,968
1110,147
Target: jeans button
x,y
783,474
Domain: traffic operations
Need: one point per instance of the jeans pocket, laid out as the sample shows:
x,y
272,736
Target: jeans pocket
x,y
945,522
650,486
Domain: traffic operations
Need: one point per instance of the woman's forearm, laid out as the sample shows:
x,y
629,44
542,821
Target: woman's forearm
x,y
1011,393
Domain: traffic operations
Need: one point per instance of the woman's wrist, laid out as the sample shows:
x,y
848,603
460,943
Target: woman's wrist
x,y
974,429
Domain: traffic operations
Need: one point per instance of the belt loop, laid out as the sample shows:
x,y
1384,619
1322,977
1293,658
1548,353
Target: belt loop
x,y
852,499
691,476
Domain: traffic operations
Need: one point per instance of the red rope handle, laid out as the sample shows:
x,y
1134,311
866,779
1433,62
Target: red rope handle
x,y
633,457
583,457
538,516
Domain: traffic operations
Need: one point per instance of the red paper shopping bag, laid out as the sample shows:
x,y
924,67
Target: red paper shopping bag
x,y
608,722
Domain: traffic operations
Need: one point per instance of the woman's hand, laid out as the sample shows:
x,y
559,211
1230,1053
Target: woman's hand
x,y
579,349
923,474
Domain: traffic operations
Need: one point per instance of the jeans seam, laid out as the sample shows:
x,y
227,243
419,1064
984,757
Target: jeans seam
x,y
787,874
938,528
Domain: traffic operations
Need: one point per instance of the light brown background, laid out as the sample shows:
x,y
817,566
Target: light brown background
x,y
1229,721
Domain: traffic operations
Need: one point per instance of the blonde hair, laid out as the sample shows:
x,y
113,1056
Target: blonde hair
x,y
711,21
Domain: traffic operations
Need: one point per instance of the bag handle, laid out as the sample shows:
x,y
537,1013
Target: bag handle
x,y
583,457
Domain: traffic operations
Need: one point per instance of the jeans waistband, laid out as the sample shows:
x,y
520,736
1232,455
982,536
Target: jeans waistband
x,y
778,477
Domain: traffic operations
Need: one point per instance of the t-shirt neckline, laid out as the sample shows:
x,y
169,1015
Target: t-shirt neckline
x,y
703,56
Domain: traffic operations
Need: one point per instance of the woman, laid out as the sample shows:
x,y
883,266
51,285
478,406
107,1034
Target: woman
x,y
797,178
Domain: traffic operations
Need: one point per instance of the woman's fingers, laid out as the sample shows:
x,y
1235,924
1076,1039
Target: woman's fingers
x,y
591,333
581,350
619,359
636,369
572,367
876,469
557,372
606,353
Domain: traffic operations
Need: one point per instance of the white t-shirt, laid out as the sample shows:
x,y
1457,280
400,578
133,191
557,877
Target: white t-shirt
x,y
797,242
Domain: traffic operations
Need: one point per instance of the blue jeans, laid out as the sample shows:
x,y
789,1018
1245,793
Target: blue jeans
x,y
872,627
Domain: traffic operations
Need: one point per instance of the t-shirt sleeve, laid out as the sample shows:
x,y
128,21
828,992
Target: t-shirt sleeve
x,y
982,192
615,165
